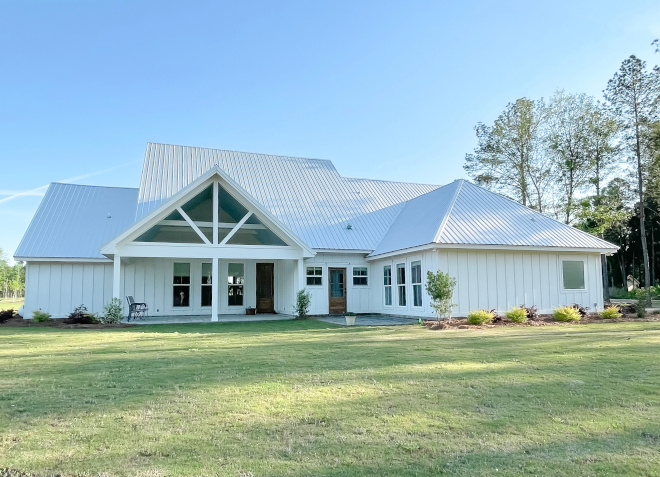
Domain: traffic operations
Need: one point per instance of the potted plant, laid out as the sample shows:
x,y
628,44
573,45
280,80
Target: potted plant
x,y
250,311
350,318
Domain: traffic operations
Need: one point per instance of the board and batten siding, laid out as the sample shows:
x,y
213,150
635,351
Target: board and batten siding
x,y
58,287
493,279
358,297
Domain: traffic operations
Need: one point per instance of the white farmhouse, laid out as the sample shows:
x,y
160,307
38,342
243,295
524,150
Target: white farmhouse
x,y
213,232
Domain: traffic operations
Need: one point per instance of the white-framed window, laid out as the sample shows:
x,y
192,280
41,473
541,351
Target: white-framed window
x,y
181,285
416,281
314,276
235,283
401,283
207,280
572,273
360,277
387,283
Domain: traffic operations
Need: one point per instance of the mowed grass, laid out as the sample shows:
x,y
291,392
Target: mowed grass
x,y
8,304
307,398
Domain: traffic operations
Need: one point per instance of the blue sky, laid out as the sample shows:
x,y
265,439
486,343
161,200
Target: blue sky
x,y
387,90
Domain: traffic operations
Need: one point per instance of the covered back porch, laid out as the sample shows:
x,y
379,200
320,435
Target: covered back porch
x,y
210,250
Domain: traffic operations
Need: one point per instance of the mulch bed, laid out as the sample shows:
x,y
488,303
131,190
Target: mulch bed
x,y
18,322
543,320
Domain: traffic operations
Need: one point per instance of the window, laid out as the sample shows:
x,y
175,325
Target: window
x,y
360,276
181,285
387,282
401,283
314,275
235,280
207,280
573,274
416,280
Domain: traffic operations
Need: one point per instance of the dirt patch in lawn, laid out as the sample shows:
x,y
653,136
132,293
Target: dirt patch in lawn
x,y
543,320
18,322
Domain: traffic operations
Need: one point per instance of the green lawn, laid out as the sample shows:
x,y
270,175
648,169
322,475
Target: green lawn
x,y
308,398
8,304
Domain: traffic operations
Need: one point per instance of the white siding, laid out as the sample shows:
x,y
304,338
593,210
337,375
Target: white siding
x,y
359,298
58,287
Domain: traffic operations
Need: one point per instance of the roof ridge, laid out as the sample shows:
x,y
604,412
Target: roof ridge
x,y
94,185
437,186
445,219
241,152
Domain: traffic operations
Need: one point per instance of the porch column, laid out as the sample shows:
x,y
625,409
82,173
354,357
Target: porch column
x,y
214,289
301,274
116,277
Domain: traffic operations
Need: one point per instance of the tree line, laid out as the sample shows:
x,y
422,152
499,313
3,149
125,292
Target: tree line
x,y
593,163
12,279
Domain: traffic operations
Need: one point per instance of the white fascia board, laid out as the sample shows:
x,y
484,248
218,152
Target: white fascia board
x,y
183,250
514,248
178,199
62,259
342,251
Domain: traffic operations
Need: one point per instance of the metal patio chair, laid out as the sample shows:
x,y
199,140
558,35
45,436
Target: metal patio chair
x,y
137,311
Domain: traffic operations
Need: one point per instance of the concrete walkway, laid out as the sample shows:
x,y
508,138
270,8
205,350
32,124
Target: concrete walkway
x,y
170,320
372,320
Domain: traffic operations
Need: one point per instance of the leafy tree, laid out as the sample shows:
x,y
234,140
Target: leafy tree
x,y
440,287
633,95
508,156
569,146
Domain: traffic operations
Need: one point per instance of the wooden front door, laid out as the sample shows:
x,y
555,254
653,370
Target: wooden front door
x,y
337,291
265,287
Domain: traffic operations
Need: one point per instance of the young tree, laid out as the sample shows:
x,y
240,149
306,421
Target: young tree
x,y
603,149
633,95
508,156
569,146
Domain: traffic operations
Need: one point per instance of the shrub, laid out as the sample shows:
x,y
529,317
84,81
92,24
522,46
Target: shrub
x,y
611,312
566,313
303,302
480,317
80,316
517,314
112,312
40,316
6,315
440,287
532,312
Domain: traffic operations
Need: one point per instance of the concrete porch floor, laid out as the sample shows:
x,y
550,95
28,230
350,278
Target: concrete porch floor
x,y
164,320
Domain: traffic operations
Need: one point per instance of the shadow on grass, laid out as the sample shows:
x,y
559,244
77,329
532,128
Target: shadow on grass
x,y
390,399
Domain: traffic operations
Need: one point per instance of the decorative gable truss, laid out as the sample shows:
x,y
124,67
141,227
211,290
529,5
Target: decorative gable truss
x,y
211,217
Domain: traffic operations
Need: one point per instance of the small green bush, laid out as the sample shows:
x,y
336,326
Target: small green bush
x,y
610,312
303,302
566,313
480,317
40,316
517,314
112,312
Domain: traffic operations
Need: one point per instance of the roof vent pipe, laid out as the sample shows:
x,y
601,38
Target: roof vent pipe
x,y
349,227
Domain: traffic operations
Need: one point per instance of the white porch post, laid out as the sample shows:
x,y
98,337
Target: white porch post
x,y
301,274
214,289
116,277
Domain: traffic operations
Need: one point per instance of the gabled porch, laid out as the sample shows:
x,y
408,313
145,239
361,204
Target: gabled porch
x,y
210,250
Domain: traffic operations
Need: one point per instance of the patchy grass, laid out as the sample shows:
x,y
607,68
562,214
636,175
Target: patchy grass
x,y
7,304
303,398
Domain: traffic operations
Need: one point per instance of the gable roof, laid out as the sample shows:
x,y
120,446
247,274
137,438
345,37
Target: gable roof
x,y
462,213
191,190
308,195
73,220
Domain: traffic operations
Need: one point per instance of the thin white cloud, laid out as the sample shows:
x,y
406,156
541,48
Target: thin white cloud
x,y
40,191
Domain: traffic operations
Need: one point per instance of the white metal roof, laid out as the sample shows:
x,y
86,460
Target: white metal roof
x,y
462,213
308,195
73,221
